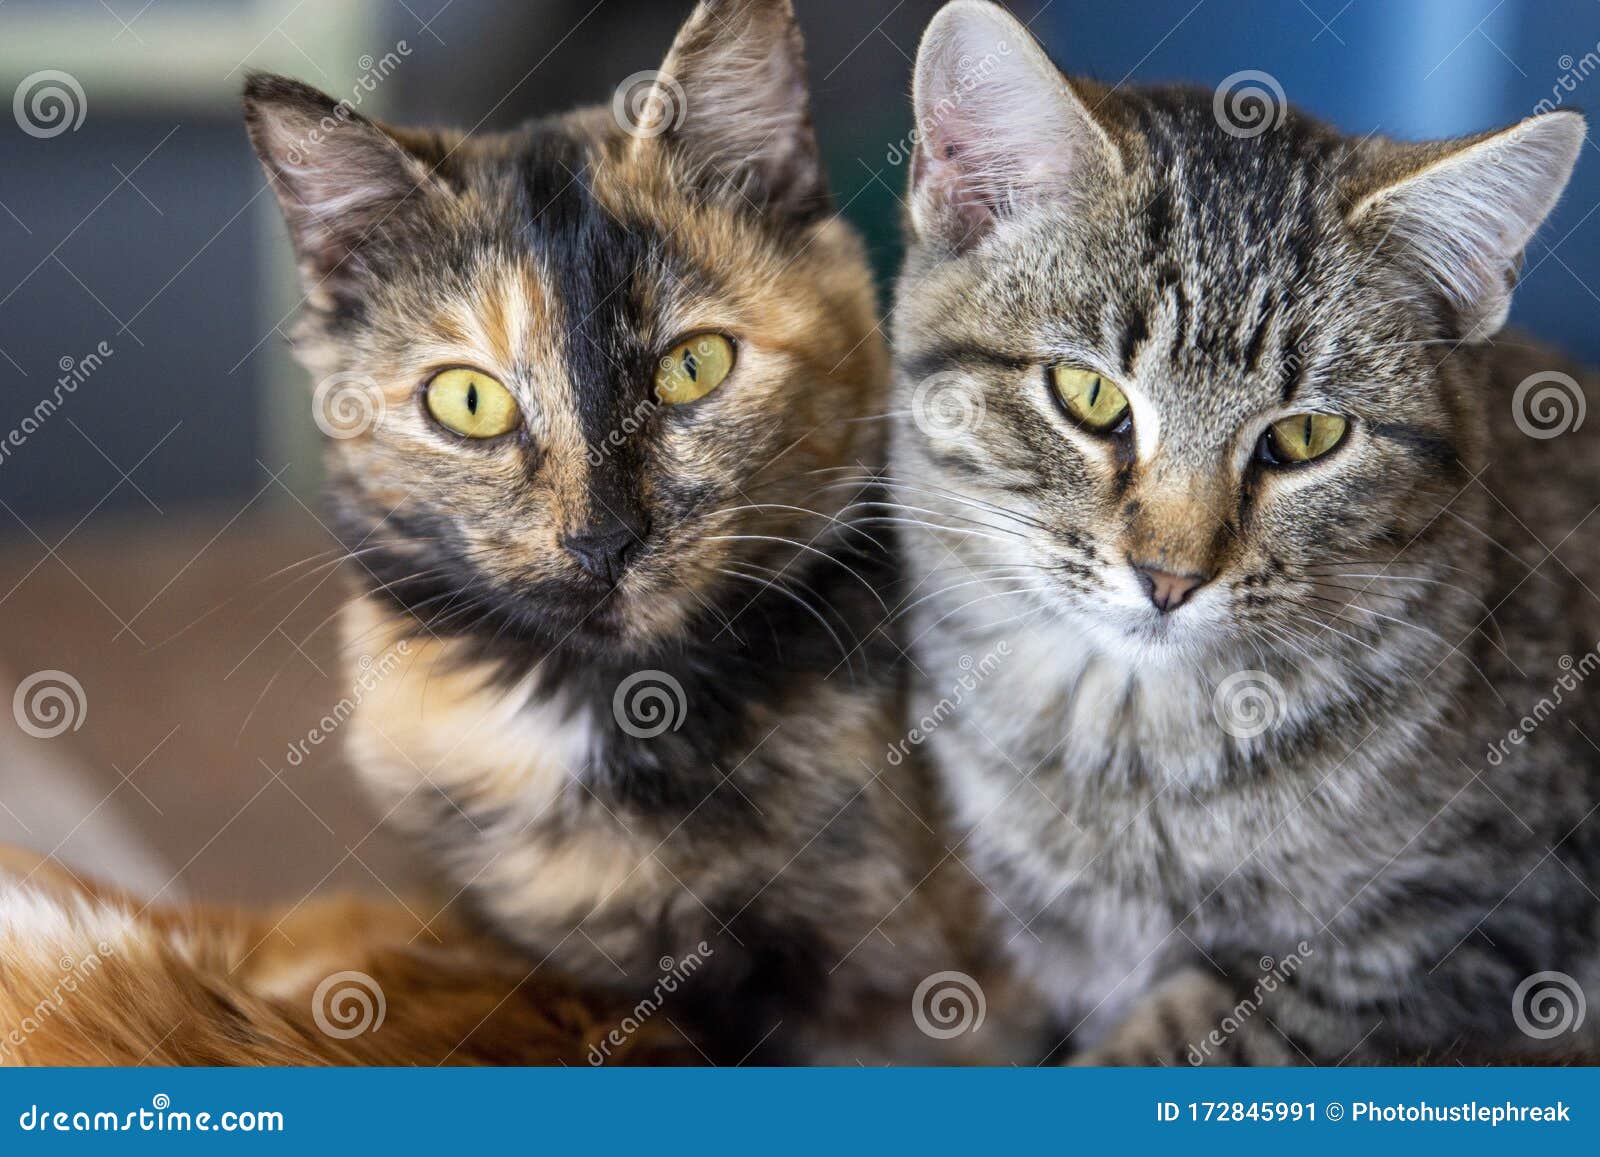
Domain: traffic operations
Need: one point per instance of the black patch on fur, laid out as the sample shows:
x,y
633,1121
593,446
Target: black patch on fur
x,y
964,355
1134,332
1429,445
596,259
1257,341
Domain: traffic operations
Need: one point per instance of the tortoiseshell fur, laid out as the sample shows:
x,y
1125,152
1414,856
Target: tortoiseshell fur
x,y
762,832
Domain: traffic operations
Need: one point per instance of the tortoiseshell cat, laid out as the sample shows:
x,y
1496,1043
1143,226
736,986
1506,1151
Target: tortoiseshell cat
x,y
619,355
1206,421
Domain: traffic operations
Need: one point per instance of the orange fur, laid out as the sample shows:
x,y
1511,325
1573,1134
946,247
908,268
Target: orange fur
x,y
89,976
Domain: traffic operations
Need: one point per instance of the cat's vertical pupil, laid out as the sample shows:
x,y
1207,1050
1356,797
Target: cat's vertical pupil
x,y
1308,431
472,398
1094,394
691,367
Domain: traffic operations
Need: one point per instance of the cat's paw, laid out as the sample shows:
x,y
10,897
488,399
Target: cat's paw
x,y
1192,1019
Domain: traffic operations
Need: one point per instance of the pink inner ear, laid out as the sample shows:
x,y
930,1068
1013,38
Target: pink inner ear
x,y
965,207
1019,136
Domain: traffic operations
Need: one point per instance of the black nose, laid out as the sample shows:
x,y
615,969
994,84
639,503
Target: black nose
x,y
605,552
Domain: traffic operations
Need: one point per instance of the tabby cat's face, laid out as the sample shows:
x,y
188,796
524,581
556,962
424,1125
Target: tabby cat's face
x,y
1110,388
1190,380
610,365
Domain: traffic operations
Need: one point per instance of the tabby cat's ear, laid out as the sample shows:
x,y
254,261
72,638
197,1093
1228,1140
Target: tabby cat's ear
x,y
731,95
998,127
1459,213
339,177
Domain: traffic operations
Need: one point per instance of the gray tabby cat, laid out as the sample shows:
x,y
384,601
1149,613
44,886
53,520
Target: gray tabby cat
x,y
1287,756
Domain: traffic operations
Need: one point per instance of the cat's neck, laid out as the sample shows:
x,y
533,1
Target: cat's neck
x,y
758,656
1114,715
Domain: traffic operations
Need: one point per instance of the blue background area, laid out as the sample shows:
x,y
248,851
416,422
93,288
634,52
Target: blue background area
x,y
1404,68
746,1111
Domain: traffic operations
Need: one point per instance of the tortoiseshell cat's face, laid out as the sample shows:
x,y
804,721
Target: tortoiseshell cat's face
x,y
1194,382
614,354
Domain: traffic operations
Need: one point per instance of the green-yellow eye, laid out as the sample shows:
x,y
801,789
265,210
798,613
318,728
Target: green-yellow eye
x,y
472,404
1094,402
693,368
1302,437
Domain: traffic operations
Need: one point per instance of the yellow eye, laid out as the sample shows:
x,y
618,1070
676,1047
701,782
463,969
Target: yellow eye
x,y
472,404
692,369
1302,437
1094,402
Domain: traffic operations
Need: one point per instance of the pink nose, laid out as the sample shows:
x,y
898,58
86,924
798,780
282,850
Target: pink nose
x,y
1168,591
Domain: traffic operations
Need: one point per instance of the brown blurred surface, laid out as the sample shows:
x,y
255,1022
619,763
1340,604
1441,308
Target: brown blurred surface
x,y
202,659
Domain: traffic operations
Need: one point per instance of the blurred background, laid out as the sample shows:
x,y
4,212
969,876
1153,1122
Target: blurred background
x,y
159,529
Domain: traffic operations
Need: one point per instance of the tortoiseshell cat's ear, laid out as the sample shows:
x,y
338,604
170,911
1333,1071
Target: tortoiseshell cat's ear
x,y
732,96
998,127
339,177
1460,213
